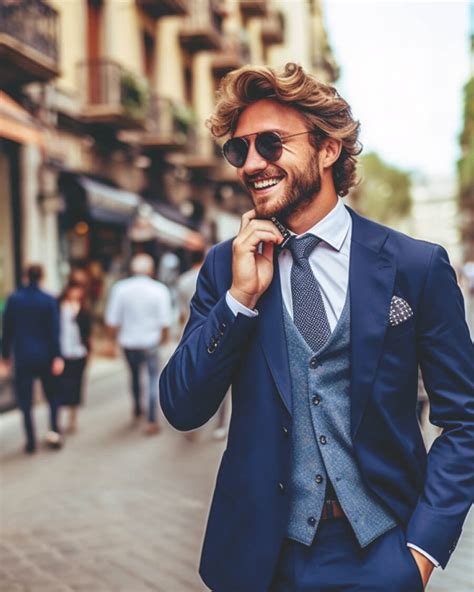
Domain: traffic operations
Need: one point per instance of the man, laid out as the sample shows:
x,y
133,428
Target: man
x,y
139,311
325,484
31,332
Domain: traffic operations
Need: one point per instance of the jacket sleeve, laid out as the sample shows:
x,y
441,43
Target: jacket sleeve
x,y
7,330
447,363
198,375
55,328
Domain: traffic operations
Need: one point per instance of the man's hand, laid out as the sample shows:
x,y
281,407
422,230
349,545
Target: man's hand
x,y
424,565
252,272
5,368
57,366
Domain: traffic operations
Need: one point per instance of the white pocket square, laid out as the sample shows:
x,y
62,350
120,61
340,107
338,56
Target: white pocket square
x,y
400,311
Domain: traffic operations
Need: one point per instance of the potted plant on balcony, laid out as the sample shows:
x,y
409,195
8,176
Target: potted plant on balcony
x,y
134,96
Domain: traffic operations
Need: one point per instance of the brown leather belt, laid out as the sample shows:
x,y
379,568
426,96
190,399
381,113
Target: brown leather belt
x,y
332,509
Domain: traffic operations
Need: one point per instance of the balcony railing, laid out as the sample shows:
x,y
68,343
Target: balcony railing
x,y
202,29
28,41
112,95
235,52
159,8
273,28
164,129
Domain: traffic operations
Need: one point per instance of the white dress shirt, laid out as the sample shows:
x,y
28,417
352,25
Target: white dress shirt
x,y
329,263
140,307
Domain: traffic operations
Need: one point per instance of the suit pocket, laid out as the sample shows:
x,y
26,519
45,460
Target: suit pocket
x,y
400,331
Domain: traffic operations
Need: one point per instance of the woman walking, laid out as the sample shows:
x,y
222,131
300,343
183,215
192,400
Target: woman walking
x,y
75,332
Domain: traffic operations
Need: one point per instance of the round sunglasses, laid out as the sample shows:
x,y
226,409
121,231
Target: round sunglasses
x,y
268,144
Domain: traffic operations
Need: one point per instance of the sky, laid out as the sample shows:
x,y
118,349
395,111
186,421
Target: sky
x,y
403,67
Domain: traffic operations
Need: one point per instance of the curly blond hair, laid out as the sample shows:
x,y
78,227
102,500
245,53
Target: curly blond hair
x,y
325,112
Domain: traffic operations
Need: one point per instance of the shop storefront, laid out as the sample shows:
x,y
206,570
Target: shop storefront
x,y
94,233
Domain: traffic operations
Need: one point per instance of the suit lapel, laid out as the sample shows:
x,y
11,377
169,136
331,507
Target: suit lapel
x,y
273,338
371,280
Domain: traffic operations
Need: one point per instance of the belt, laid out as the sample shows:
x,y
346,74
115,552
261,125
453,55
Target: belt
x,y
332,509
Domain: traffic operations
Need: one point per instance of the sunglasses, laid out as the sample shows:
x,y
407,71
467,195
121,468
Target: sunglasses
x,y
268,144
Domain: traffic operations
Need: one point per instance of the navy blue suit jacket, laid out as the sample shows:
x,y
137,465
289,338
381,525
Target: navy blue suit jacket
x,y
31,327
429,494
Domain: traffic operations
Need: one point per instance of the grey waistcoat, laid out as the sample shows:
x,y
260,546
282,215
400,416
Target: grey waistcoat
x,y
321,441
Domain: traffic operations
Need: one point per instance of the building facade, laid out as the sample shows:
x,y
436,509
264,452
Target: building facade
x,y
105,150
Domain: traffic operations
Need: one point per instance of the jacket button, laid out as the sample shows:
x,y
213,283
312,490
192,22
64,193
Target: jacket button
x,y
211,347
281,487
316,400
312,521
313,363
322,440
222,328
318,479
285,430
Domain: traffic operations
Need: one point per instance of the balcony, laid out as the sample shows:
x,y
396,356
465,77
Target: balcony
x,y
234,54
202,29
164,128
28,42
112,96
159,8
273,27
253,7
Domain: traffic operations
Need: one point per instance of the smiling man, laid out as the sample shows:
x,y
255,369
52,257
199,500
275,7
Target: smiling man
x,y
325,484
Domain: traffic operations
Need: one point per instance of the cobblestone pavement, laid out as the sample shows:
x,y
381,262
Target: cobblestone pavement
x,y
117,511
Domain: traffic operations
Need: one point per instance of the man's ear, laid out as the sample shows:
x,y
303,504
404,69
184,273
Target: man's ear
x,y
329,152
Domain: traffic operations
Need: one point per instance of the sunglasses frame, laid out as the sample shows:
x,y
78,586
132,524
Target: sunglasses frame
x,y
257,134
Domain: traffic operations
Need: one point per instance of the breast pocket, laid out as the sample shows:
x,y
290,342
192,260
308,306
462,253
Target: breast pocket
x,y
403,330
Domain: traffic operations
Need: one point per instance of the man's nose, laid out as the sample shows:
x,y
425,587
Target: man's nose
x,y
254,162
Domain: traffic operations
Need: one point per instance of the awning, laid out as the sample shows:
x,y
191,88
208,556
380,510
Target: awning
x,y
150,224
17,124
109,204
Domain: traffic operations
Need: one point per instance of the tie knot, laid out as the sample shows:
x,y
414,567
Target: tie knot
x,y
301,248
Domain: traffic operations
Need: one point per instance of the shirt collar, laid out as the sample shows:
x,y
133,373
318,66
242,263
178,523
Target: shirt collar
x,y
333,228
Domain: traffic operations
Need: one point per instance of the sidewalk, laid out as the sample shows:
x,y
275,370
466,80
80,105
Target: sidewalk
x,y
115,510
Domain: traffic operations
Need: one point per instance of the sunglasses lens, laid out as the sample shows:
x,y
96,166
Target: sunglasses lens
x,y
236,150
269,145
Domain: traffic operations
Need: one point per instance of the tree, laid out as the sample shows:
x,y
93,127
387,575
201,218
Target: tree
x,y
384,192
466,171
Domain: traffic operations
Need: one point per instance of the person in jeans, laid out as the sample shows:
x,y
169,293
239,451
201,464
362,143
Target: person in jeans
x,y
139,313
31,333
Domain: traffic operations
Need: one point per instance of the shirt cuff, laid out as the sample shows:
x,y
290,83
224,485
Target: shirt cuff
x,y
427,555
236,307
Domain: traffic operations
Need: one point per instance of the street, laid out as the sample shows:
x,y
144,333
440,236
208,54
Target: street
x,y
118,511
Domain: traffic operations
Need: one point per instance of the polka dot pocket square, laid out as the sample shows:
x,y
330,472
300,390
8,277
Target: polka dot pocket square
x,y
400,311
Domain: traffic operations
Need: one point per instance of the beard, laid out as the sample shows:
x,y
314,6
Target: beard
x,y
297,195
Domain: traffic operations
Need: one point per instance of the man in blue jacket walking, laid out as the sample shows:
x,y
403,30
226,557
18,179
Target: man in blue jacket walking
x,y
31,333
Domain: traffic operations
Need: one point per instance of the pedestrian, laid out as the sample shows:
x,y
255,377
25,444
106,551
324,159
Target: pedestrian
x,y
31,333
139,313
185,289
319,321
75,335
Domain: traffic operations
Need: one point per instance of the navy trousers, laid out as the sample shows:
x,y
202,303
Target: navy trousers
x,y
336,563
24,377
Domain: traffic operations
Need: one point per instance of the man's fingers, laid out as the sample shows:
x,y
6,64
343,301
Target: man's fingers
x,y
256,225
249,242
246,218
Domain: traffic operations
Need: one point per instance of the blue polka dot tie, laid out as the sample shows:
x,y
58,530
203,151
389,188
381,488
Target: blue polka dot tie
x,y
309,314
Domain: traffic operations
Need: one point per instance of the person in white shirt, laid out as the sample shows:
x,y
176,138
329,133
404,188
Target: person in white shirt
x,y
139,315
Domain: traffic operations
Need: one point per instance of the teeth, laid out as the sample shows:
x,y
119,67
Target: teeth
x,y
265,183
